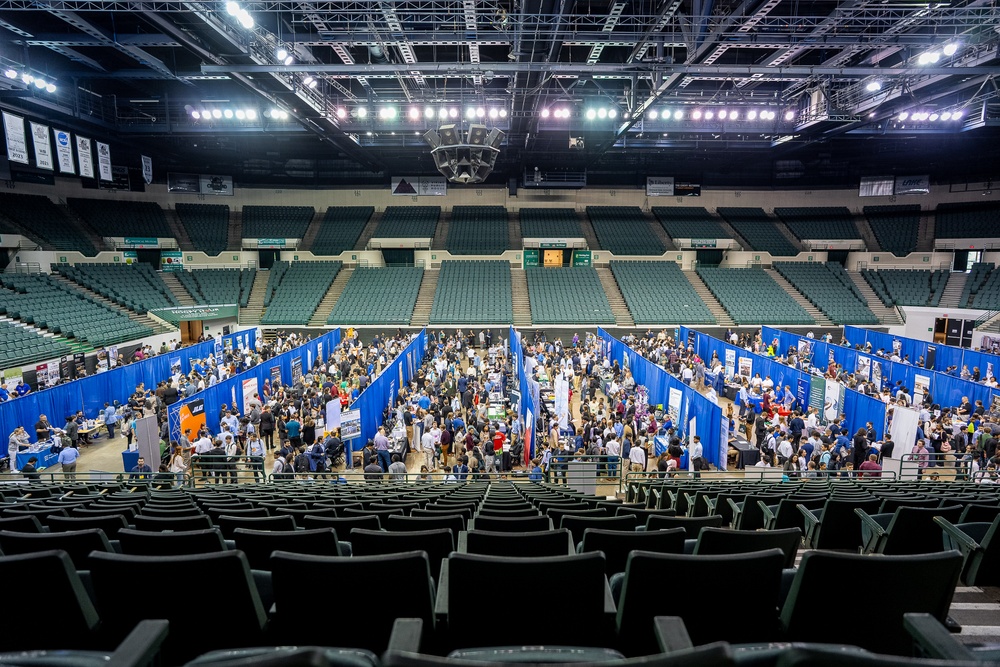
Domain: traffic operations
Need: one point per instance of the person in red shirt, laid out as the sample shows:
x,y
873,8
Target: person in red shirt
x,y
871,468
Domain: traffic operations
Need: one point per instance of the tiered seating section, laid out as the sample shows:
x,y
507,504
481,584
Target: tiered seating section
x,y
659,293
44,222
298,290
378,296
982,289
819,222
895,227
566,295
967,220
473,293
907,287
276,222
624,230
829,288
41,300
759,230
478,230
750,296
689,222
114,217
213,287
340,229
408,222
20,346
207,225
137,287
550,223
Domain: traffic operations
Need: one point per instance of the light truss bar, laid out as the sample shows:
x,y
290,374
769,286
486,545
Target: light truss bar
x,y
609,25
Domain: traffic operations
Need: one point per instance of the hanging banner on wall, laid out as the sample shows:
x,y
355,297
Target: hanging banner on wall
x,y
43,147
297,372
104,160
275,376
921,387
746,367
831,401
435,186
147,169
64,152
249,389
171,260
730,363
85,157
817,392
659,186
913,185
332,415
674,406
17,145
877,374
350,424
864,367
192,416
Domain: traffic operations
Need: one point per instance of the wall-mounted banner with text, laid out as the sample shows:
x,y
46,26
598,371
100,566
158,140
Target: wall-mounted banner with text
x,y
192,313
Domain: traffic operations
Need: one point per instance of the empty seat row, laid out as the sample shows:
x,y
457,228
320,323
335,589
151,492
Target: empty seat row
x,y
624,230
659,293
819,222
966,220
567,294
44,222
473,293
408,222
137,287
119,217
760,230
207,225
550,223
689,222
895,226
750,296
378,296
829,288
340,229
478,230
907,287
276,222
300,291
218,286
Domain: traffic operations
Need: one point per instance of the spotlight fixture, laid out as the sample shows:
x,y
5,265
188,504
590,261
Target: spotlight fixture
x,y
251,114
453,112
873,86
228,113
494,113
602,113
414,113
651,115
956,115
470,112
934,116
341,112
480,112
362,112
734,115
709,115
428,112
946,115
545,113
678,115
697,114
288,61
27,78
591,114
51,88
306,81
503,113
240,114
903,116
752,114
612,114
789,115
40,84
281,54
950,49
11,74
195,114
723,114
216,113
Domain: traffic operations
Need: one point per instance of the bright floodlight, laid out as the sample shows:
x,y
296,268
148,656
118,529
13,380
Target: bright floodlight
x,y
934,116
40,84
453,112
307,80
873,87
602,113
216,113
503,113
591,114
924,59
709,115
442,112
240,114
245,19
494,113
470,112
51,88
313,83
734,115
612,114
751,115
697,114
545,113
251,114
651,115
11,74
950,49
903,116
722,114
957,115
281,54
289,60
429,112
195,114
228,113
27,78
678,114
946,115
480,112
414,113
362,112
232,8
789,115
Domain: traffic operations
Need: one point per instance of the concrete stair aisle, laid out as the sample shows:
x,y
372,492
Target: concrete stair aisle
x,y
990,325
720,314
255,305
325,306
155,325
440,240
368,231
659,231
519,297
953,290
234,239
178,230
977,610
867,234
177,289
425,298
95,239
619,308
312,230
514,231
814,312
925,232
588,231
731,231
886,314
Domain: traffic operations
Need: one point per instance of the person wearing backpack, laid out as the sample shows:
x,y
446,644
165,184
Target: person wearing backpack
x,y
278,473
301,462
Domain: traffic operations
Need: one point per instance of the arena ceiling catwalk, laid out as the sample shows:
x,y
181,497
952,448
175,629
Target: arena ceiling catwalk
x,y
801,92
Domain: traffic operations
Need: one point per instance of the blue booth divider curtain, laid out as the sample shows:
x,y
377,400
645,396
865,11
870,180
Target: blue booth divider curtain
x,y
230,391
946,390
707,415
944,355
91,393
527,411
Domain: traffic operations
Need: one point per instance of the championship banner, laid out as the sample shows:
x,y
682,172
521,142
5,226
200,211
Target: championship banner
x,y
43,147
84,157
104,160
147,169
17,146
64,152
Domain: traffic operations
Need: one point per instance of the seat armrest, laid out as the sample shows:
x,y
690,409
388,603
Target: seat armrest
x,y
406,633
876,531
671,634
609,600
690,503
463,542
767,512
441,603
710,504
811,523
965,543
934,640
141,646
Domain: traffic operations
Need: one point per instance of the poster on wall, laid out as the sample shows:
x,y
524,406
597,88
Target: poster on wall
x,y
730,363
350,424
921,387
864,367
249,389
275,376
817,390
831,401
674,405
296,370
17,144
79,365
11,378
64,152
877,374
192,416
104,160
746,367
43,147
805,351
659,186
903,429
113,356
147,169
171,260
215,185
724,441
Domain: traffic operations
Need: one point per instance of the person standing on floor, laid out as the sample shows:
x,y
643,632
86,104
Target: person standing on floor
x,y
67,459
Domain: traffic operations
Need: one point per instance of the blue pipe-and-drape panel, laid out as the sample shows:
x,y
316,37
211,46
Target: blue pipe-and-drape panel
x,y
527,404
944,355
945,389
782,375
91,393
381,393
230,391
659,382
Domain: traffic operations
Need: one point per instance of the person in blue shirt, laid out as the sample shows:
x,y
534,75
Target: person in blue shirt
x,y
4,394
110,419
536,472
67,459
22,388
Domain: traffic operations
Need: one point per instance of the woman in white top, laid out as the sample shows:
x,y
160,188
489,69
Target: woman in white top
x,y
177,465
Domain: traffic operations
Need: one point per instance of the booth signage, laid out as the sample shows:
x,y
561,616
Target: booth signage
x,y
141,242
191,313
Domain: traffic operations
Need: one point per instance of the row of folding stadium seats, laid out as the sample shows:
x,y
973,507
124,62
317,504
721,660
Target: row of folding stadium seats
x,y
44,222
276,222
689,222
340,229
550,223
979,274
750,296
624,230
40,300
907,287
408,222
659,293
302,288
966,220
895,227
137,287
759,230
567,294
476,292
829,289
378,296
819,222
20,346
477,230
116,217
984,286
601,561
218,286
207,225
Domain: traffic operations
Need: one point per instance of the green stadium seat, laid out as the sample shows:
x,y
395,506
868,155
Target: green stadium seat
x,y
750,296
895,227
276,222
689,222
207,225
624,230
550,223
819,222
473,292
566,295
297,290
115,217
829,288
378,295
659,293
340,229
759,230
477,230
408,222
